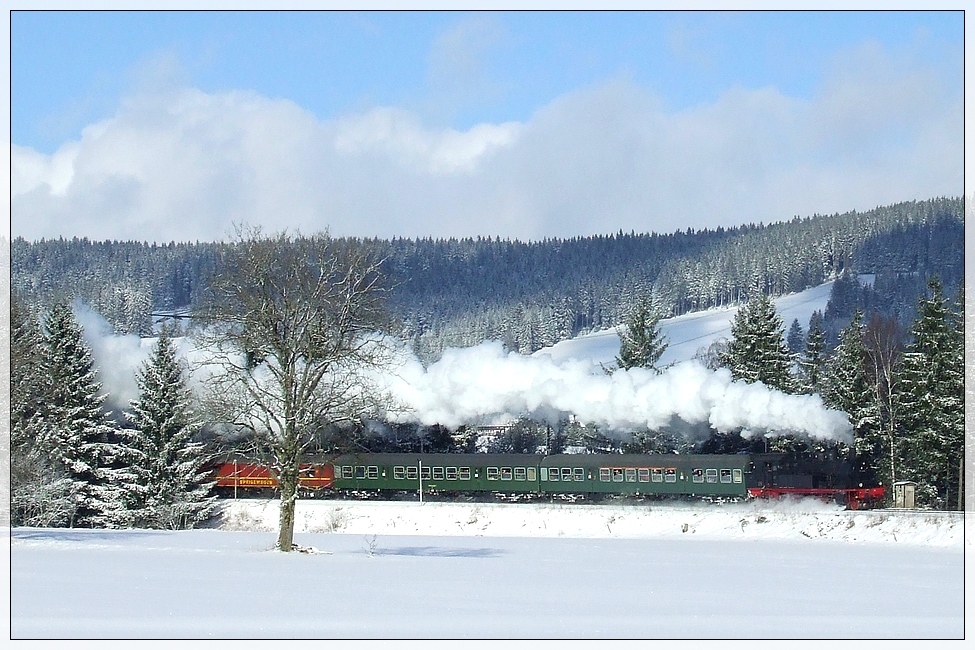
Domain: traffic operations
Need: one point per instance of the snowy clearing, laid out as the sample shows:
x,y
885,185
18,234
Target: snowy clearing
x,y
688,333
406,571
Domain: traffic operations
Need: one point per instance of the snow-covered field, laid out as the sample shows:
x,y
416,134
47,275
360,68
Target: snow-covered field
x,y
404,570
688,333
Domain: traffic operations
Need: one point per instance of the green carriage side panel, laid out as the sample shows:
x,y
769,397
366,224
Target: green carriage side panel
x,y
440,472
663,474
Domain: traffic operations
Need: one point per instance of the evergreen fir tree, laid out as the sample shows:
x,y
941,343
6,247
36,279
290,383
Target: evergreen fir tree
x,y
169,491
931,401
40,490
641,342
795,338
812,363
78,433
757,349
847,387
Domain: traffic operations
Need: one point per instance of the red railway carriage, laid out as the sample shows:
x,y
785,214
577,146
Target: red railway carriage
x,y
248,475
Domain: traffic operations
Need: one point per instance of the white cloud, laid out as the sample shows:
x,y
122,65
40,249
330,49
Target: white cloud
x,y
184,164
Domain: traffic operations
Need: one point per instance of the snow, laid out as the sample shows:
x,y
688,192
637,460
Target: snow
x,y
788,519
438,570
688,333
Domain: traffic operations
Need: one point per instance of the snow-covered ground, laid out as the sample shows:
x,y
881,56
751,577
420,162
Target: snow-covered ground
x,y
797,520
688,333
405,570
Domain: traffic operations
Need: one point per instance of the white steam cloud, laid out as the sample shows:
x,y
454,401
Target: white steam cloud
x,y
485,383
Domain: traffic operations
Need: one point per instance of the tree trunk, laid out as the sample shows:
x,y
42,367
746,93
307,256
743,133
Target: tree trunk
x,y
288,481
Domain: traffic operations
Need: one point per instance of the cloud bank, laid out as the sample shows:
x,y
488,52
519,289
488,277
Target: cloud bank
x,y
177,163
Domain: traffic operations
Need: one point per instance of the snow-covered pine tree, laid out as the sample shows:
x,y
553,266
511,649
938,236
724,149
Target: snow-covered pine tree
x,y
812,363
757,349
79,433
641,341
795,338
931,401
40,490
170,490
846,386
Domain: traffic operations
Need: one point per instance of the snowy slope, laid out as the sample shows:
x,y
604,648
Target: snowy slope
x,y
688,333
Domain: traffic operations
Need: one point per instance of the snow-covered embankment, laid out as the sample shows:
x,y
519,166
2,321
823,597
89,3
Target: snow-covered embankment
x,y
798,520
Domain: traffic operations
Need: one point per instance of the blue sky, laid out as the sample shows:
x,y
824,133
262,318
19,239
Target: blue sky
x,y
439,123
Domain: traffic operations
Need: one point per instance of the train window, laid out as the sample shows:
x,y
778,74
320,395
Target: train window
x,y
578,474
670,475
657,475
697,475
360,471
347,471
451,473
465,473
544,473
630,475
492,473
520,473
644,475
726,476
736,475
553,474
711,475
399,473
372,472
566,473
604,474
505,473
411,473
531,473
438,473
425,473
617,475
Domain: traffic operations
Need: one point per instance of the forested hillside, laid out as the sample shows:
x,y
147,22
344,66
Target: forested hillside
x,y
532,294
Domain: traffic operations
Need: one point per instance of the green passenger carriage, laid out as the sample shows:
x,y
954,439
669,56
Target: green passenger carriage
x,y
664,474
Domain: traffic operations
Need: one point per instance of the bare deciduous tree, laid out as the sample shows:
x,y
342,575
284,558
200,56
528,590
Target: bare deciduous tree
x,y
288,321
883,340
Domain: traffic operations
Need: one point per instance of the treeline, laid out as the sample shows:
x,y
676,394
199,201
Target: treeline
x,y
459,292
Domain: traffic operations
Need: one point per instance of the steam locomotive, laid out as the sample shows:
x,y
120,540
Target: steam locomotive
x,y
716,476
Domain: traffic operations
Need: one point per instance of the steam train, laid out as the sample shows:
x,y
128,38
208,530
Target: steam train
x,y
731,476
